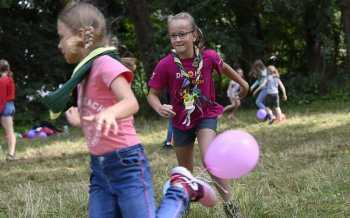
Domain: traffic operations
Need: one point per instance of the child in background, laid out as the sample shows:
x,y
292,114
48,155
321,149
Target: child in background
x,y
272,98
233,95
169,136
186,73
7,107
168,143
121,180
259,72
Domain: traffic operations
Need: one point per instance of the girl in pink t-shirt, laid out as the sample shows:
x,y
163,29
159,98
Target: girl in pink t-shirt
x,y
121,179
186,73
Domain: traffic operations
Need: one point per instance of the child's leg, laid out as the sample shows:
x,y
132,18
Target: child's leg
x,y
7,123
169,135
184,187
183,141
184,156
121,185
231,106
278,113
260,99
237,104
205,136
102,203
174,202
269,113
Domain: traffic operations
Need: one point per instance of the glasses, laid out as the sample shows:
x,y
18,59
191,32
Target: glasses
x,y
181,35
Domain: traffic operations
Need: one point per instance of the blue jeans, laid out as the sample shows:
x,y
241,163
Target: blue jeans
x,y
121,186
260,99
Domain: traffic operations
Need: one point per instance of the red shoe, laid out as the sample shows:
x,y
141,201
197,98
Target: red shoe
x,y
197,189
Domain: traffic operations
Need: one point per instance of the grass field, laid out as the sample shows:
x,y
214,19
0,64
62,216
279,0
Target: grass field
x,y
304,169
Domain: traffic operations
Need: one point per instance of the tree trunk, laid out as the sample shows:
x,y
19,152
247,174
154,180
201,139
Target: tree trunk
x,y
138,11
345,15
313,49
249,26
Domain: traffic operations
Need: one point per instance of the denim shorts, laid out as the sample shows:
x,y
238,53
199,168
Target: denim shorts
x,y
187,137
9,109
272,100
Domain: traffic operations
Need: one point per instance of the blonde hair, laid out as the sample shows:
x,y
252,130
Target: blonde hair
x,y
186,16
86,17
128,61
5,67
273,70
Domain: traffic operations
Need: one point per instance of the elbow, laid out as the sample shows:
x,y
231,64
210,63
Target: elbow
x,y
152,98
245,85
149,97
136,106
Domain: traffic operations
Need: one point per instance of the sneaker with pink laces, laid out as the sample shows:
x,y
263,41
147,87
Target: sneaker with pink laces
x,y
197,189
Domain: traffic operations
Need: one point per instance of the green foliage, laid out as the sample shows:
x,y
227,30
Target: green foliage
x,y
241,30
6,3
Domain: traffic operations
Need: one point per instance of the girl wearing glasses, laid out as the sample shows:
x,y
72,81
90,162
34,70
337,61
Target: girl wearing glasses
x,y
187,74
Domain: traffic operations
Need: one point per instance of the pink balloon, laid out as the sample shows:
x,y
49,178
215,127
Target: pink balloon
x,y
232,154
261,114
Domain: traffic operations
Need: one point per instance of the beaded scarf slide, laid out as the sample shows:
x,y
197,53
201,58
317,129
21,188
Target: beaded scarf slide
x,y
190,92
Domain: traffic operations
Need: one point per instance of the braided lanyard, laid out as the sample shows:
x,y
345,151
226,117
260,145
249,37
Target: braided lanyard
x,y
190,92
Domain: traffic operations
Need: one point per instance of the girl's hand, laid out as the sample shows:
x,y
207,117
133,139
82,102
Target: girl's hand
x,y
166,110
284,97
73,116
105,121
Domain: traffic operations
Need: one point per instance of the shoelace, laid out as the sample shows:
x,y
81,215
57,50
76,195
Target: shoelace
x,y
203,173
190,186
231,210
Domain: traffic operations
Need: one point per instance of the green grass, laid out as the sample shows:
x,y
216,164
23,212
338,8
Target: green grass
x,y
303,169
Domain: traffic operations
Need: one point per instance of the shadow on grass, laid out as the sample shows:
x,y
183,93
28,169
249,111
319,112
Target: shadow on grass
x,y
24,143
46,170
43,160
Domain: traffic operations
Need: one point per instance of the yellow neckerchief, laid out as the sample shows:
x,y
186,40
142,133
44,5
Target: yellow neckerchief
x,y
90,56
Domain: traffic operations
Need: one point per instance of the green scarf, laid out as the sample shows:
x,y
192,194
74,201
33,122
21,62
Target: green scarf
x,y
57,100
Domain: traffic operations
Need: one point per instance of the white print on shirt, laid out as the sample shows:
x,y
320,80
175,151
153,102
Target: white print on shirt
x,y
153,75
93,136
220,61
95,106
179,75
91,107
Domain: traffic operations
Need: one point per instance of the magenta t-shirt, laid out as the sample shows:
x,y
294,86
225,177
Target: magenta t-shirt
x,y
168,76
94,95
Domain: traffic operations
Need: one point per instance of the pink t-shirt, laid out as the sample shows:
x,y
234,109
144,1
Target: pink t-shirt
x,y
168,76
94,95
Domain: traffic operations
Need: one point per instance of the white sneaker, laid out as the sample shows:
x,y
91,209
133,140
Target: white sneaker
x,y
197,189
